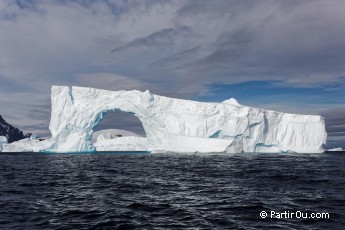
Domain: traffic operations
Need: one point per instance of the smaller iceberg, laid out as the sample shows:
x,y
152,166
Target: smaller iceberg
x,y
111,134
118,140
3,141
31,144
335,150
122,144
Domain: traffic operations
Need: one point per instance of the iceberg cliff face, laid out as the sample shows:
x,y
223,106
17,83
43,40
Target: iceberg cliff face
x,y
3,140
181,125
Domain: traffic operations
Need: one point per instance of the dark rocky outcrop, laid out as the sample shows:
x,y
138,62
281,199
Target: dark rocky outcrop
x,y
10,132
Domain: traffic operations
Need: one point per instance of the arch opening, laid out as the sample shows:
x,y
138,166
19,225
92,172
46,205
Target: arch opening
x,y
116,130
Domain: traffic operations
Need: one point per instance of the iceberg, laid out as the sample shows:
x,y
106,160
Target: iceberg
x,y
178,125
27,145
119,140
111,134
339,149
129,143
3,140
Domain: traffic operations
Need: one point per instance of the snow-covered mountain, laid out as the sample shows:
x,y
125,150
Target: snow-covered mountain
x,y
10,132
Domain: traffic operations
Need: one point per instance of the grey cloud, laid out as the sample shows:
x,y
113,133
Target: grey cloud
x,y
337,129
38,115
335,144
41,130
40,112
111,81
176,59
335,120
272,38
216,7
225,51
162,37
230,47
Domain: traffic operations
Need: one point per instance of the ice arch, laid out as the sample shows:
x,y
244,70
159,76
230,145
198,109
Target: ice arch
x,y
181,125
118,124
121,120
76,111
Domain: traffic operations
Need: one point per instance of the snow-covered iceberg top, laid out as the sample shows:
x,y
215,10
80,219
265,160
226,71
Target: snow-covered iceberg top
x,y
181,125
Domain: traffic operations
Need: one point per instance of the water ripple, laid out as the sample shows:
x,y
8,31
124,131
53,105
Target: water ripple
x,y
153,191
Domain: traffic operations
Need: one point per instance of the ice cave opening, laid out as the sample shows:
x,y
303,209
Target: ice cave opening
x,y
119,131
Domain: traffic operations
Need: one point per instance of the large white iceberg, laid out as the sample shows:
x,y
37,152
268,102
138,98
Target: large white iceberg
x,y
181,125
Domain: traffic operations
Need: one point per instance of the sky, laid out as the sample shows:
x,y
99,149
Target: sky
x,y
284,55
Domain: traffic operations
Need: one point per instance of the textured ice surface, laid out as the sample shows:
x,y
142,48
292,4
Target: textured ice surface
x,y
129,143
27,145
111,134
3,140
118,140
181,125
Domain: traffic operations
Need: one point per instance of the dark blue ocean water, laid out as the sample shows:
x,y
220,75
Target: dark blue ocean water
x,y
157,191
